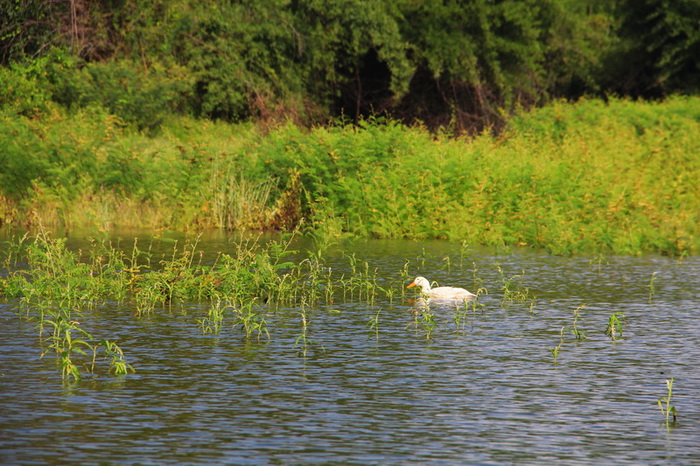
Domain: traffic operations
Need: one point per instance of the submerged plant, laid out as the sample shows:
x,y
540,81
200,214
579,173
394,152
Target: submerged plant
x,y
665,403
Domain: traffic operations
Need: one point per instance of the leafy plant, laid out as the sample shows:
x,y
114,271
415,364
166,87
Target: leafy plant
x,y
615,325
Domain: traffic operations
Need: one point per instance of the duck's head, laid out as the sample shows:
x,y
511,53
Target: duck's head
x,y
422,282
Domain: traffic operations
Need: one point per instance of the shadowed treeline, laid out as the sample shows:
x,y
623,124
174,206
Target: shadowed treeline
x,y
456,64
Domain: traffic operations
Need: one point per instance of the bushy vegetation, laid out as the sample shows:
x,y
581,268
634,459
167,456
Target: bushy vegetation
x,y
617,176
193,114
446,63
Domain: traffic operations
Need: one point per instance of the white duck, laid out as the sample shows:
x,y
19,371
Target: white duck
x,y
441,292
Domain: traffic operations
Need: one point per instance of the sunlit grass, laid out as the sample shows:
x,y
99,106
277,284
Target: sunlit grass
x,y
584,177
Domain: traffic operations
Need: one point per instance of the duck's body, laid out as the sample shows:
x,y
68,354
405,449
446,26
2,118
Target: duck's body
x,y
441,292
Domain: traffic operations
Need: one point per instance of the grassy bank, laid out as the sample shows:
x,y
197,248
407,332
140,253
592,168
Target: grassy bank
x,y
591,176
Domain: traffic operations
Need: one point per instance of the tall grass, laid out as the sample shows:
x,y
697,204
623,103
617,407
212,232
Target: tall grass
x,y
590,176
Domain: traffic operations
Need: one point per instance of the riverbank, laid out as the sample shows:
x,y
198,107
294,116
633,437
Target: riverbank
x,y
592,176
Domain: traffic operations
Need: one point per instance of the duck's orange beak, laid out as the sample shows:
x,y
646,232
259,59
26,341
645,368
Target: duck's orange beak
x,y
411,285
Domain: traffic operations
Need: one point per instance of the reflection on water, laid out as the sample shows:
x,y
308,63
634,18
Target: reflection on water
x,y
395,382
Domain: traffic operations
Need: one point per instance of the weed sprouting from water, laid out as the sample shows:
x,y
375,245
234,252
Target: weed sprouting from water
x,y
448,263
614,328
423,257
118,364
213,322
555,350
424,318
578,334
478,281
373,324
463,250
462,313
665,404
573,328
72,344
303,340
404,276
514,291
652,289
598,261
252,322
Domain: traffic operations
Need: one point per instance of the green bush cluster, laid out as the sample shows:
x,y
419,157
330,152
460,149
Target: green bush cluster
x,y
569,178
589,176
139,97
448,63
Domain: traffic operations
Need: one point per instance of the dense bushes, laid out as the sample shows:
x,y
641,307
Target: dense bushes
x,y
617,176
446,63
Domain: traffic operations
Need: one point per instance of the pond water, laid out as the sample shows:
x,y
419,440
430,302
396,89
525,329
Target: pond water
x,y
477,387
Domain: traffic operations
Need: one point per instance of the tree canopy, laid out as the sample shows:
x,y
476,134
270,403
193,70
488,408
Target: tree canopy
x,y
458,63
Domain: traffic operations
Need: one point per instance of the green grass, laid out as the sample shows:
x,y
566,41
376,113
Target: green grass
x,y
585,177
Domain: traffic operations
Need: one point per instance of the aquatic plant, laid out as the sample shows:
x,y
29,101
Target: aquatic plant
x,y
214,320
69,342
652,289
424,318
573,328
462,313
578,334
252,322
478,281
665,403
615,324
373,324
555,350
514,291
598,261
303,340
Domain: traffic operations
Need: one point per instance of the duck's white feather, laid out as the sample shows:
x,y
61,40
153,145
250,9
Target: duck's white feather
x,y
441,292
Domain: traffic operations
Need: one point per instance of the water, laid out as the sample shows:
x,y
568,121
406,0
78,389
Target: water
x,y
485,391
